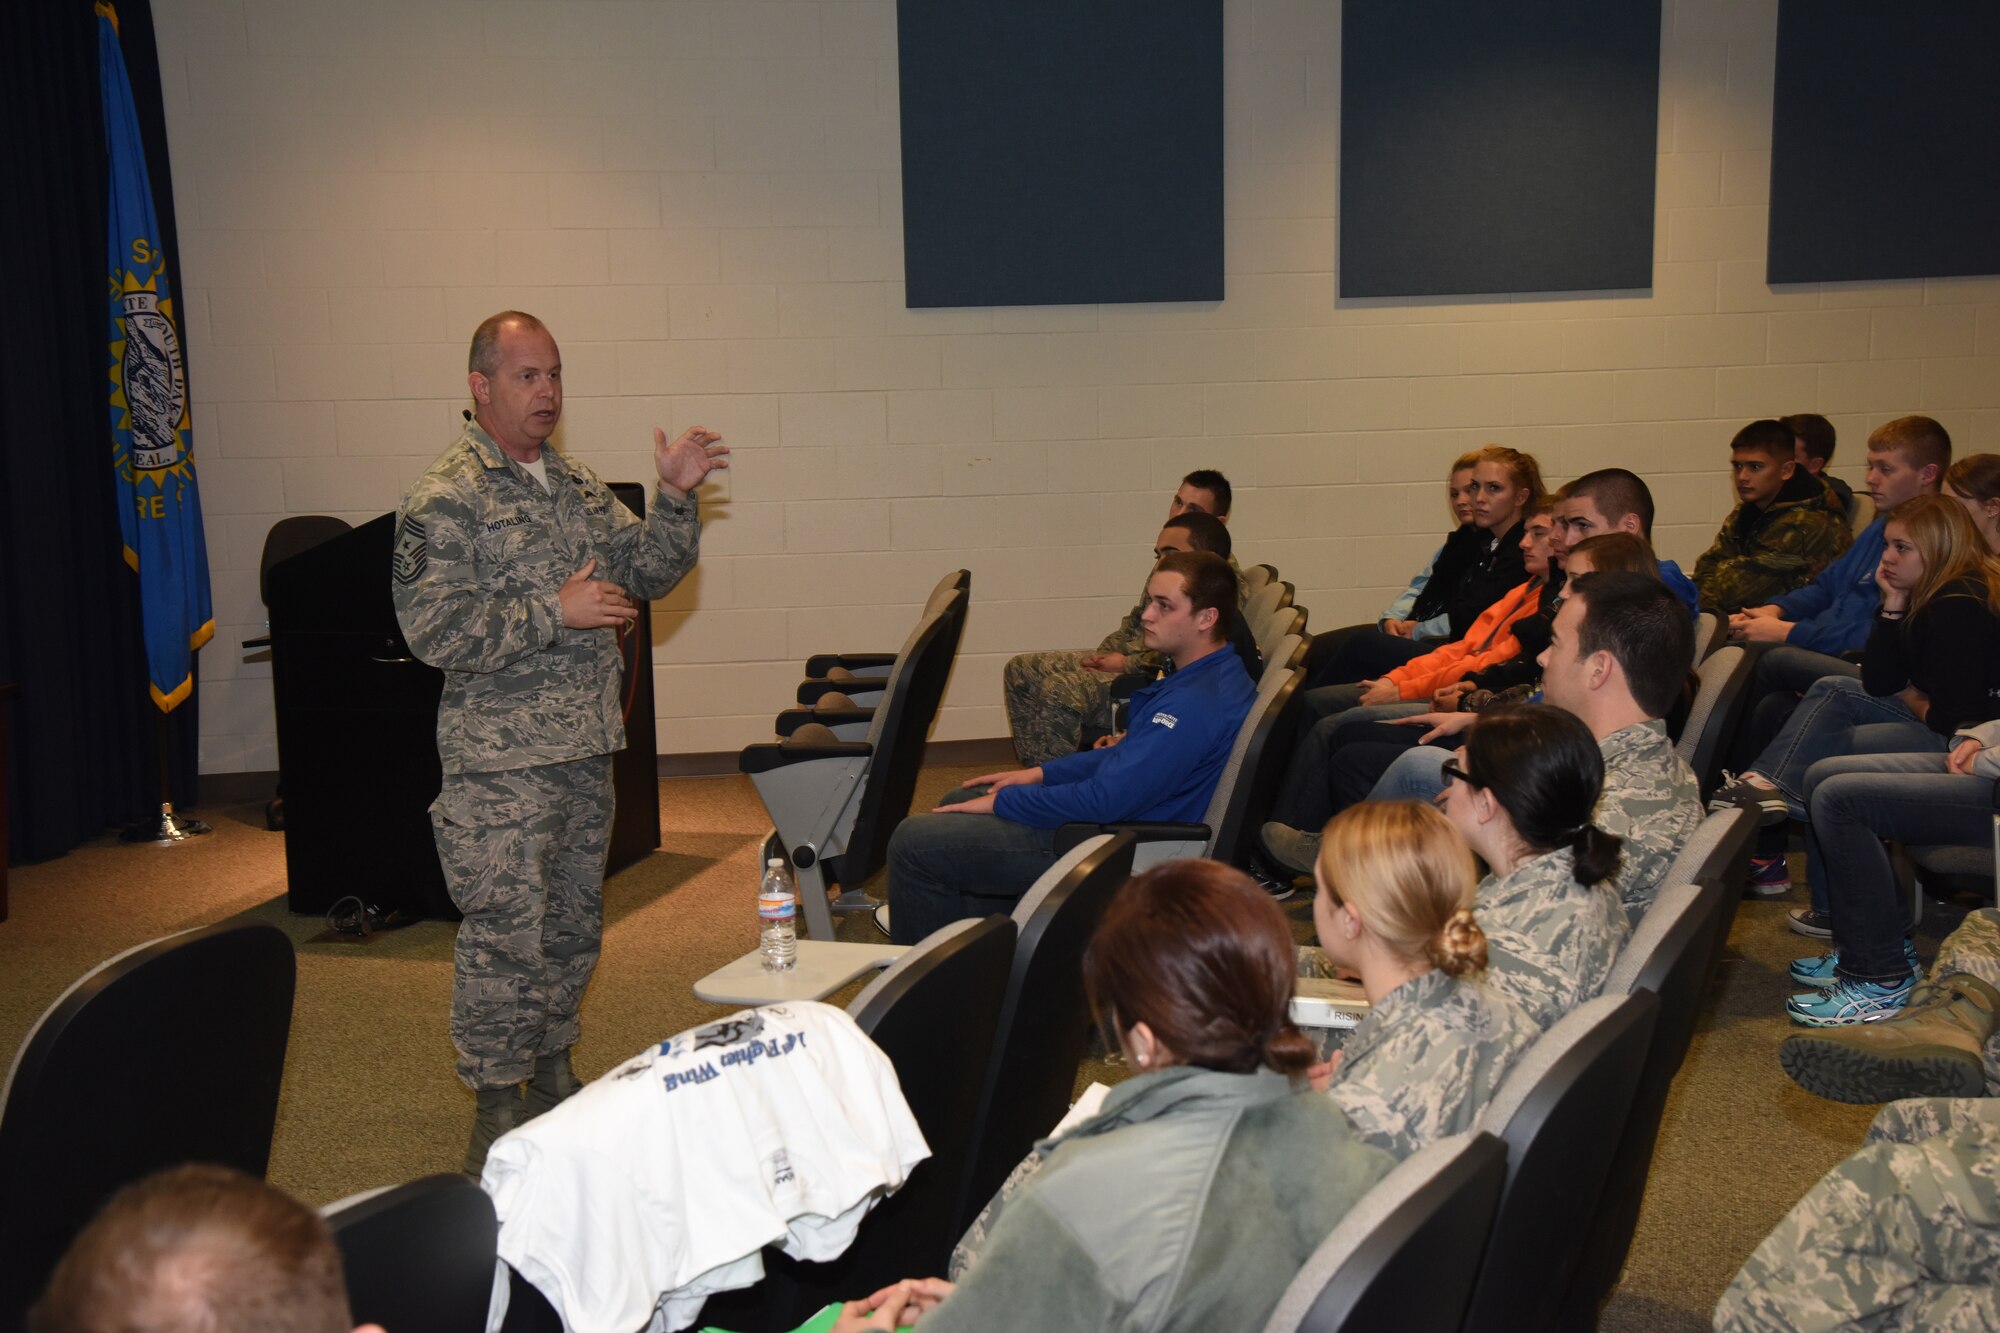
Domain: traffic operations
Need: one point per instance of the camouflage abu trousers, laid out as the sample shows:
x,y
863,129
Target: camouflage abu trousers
x,y
1050,700
1975,948
523,854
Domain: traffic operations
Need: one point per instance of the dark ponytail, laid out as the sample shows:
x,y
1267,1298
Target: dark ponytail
x,y
1544,767
1596,853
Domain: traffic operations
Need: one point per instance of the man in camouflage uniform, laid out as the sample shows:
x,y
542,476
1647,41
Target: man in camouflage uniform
x,y
1905,1234
1617,657
514,569
1427,1059
1053,697
1946,1042
1783,531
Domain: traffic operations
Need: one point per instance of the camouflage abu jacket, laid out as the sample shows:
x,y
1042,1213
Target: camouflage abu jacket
x,y
482,552
1550,941
1651,800
1427,1060
1903,1235
1762,554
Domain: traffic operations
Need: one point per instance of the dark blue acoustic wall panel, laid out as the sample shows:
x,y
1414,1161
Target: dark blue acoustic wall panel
x,y
1061,153
1885,140
1497,147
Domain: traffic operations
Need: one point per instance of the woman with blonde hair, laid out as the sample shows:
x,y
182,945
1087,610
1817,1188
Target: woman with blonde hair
x,y
1936,645
1394,906
1930,664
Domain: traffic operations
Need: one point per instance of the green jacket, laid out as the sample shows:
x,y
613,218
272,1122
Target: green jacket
x,y
1189,1202
1762,554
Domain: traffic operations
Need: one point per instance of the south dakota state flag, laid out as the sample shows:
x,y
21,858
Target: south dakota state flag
x,y
152,445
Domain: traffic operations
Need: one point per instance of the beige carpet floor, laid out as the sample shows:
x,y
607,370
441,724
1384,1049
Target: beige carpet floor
x,y
370,1099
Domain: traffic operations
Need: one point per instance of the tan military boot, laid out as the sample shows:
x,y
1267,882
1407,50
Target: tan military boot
x,y
1934,1048
554,1082
499,1110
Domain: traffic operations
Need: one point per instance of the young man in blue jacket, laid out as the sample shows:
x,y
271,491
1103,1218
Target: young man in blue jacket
x,y
1806,630
986,845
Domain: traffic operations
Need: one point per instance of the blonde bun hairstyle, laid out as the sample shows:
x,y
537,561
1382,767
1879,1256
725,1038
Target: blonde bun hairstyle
x,y
1410,877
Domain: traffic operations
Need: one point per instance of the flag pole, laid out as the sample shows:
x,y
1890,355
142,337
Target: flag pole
x,y
167,827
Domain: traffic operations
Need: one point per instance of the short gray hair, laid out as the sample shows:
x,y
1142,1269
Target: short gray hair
x,y
485,355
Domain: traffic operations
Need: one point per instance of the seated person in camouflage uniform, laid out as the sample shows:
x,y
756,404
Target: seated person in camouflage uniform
x,y
1905,1234
985,846
1521,790
1783,531
1394,906
1616,659
1054,697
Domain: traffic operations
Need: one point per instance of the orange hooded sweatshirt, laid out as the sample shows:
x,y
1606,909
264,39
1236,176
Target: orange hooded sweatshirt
x,y
1489,642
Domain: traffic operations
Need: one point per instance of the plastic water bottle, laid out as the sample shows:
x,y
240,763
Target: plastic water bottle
x,y
777,912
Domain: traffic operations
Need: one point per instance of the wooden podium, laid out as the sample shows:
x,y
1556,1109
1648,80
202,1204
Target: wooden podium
x,y
357,732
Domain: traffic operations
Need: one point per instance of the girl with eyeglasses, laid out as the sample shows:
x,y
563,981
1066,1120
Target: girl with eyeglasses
x,y
1522,790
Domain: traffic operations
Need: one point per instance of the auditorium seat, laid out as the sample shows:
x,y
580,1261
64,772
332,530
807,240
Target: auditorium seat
x,y
1864,512
934,1013
1708,636
171,1052
419,1255
1561,1112
1672,955
1724,677
1406,1254
861,676
1246,790
1259,606
1044,1018
1256,576
834,802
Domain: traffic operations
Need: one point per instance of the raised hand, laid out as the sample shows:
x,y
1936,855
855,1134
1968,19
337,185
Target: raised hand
x,y
686,463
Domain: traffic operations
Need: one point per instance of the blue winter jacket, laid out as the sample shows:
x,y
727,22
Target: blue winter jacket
x,y
1166,768
1834,613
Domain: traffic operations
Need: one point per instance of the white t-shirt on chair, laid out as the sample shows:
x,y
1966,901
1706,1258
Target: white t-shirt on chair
x,y
658,1184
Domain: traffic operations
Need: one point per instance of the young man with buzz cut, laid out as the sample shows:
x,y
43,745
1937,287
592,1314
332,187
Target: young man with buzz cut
x,y
1613,499
986,845
1784,529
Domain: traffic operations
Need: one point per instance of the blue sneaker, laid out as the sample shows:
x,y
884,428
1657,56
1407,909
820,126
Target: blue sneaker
x,y
1818,972
1847,1002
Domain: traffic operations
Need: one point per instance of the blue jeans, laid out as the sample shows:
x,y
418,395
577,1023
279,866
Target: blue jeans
x,y
1417,775
1782,675
1307,799
946,868
1859,801
1839,717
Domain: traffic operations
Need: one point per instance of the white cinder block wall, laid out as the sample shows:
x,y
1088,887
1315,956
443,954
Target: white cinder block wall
x,y
702,199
